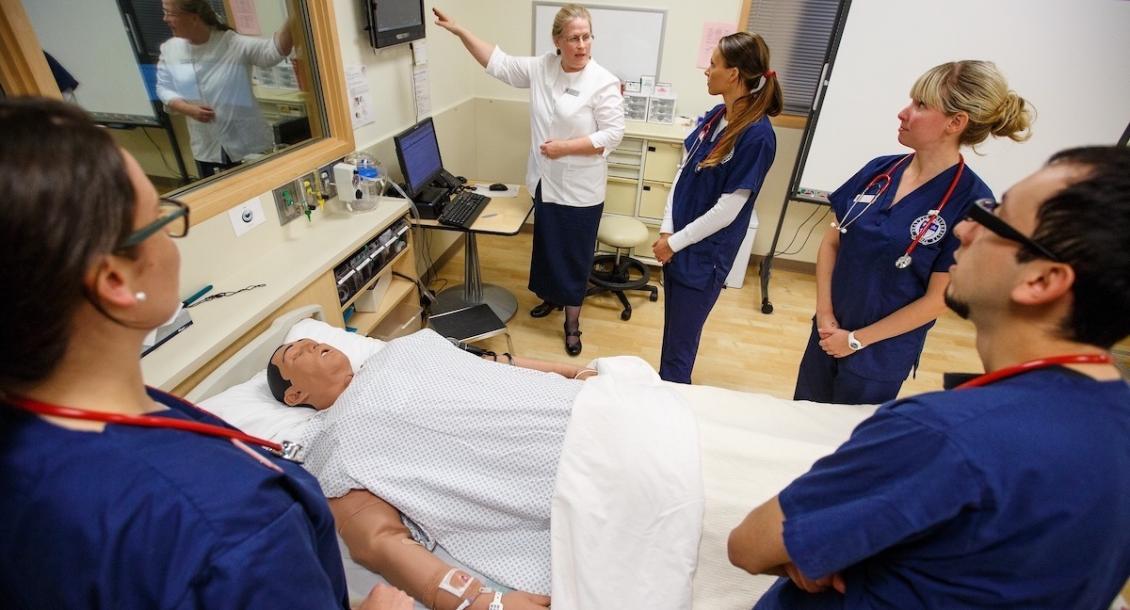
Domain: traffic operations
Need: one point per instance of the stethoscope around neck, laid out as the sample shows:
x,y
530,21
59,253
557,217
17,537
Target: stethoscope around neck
x,y
883,180
703,135
286,449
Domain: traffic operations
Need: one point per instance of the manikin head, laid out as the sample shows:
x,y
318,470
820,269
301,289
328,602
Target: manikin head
x,y
306,373
1077,209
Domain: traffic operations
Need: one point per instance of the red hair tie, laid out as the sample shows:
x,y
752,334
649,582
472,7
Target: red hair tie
x,y
770,73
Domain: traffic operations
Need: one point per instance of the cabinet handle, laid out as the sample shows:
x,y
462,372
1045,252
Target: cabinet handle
x,y
646,188
650,149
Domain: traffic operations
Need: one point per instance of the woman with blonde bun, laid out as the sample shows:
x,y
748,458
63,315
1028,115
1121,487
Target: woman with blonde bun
x,y
883,266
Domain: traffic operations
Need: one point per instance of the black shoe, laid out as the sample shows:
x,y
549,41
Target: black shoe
x,y
572,348
544,309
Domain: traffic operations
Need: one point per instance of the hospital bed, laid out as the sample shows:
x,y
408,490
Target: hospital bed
x,y
752,445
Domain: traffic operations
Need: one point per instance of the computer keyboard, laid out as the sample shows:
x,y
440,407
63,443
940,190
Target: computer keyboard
x,y
463,209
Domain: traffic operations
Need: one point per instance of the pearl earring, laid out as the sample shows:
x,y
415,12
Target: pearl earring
x,y
140,296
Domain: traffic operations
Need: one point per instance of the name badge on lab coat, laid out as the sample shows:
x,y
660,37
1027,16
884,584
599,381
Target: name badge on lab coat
x,y
861,198
572,92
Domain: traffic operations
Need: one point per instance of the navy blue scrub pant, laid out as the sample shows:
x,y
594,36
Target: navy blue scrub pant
x,y
684,314
822,379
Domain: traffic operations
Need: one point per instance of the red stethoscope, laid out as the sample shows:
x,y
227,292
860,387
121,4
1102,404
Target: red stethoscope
x,y
884,181
703,134
1033,365
286,450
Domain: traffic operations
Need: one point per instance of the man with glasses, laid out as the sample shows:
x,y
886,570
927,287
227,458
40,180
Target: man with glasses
x,y
1009,491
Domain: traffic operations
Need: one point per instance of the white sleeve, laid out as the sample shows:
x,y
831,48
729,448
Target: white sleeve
x,y
166,88
668,224
608,110
716,218
514,71
262,52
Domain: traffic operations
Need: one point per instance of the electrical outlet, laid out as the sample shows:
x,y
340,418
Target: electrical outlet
x,y
288,201
326,180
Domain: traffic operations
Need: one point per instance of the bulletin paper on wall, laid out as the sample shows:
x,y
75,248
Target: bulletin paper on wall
x,y
360,98
712,32
423,90
245,18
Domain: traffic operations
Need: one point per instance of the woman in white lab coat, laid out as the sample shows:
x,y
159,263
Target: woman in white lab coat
x,y
576,120
205,74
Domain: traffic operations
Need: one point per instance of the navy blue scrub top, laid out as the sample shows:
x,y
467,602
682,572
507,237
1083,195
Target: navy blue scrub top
x,y
866,285
698,191
154,518
1012,495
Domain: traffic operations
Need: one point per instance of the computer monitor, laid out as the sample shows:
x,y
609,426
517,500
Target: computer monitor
x,y
393,22
418,152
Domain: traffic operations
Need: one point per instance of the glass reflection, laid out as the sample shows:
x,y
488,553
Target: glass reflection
x,y
193,87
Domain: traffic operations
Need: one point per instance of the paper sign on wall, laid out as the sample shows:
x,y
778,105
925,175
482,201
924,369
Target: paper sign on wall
x,y
244,17
360,98
712,32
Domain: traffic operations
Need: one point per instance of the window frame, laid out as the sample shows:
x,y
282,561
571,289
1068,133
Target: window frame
x,y
25,72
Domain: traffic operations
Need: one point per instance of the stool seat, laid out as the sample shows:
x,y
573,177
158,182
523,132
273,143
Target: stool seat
x,y
621,231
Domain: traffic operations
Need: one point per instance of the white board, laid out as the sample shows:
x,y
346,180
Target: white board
x,y
1069,58
627,41
90,40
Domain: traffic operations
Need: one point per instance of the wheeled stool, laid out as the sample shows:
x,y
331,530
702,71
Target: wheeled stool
x,y
619,272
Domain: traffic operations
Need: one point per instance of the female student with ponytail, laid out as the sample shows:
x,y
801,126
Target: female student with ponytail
x,y
708,212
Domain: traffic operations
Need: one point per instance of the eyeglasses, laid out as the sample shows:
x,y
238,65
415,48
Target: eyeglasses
x,y
983,212
586,38
173,218
171,14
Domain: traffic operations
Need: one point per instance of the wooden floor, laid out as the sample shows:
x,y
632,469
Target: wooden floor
x,y
742,349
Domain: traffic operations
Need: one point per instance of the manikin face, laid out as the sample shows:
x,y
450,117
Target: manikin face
x,y
318,373
986,269
575,43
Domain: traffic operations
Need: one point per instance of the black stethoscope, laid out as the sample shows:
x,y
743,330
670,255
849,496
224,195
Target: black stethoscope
x,y
883,181
286,450
1033,365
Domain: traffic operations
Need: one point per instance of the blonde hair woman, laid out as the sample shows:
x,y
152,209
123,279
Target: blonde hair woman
x,y
883,266
576,119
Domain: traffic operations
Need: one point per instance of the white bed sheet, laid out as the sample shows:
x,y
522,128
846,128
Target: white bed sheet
x,y
752,446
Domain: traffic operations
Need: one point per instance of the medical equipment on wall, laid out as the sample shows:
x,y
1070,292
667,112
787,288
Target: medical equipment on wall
x,y
924,224
360,182
286,449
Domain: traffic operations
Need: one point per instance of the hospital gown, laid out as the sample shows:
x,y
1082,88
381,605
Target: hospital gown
x,y
465,448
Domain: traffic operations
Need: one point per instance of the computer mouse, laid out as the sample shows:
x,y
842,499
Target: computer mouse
x,y
498,186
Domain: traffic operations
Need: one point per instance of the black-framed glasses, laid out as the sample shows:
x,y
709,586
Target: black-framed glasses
x,y
172,217
983,212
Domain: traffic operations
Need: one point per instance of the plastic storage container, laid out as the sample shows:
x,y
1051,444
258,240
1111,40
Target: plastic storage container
x,y
368,183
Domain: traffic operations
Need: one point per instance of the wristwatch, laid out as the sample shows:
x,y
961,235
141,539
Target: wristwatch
x,y
496,603
854,343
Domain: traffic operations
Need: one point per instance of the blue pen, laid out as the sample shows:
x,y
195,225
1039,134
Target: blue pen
x,y
196,295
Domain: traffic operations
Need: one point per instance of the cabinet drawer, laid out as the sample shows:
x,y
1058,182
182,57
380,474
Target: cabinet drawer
x,y
643,251
653,200
620,197
661,160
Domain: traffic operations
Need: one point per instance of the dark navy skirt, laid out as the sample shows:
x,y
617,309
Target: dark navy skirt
x,y
564,245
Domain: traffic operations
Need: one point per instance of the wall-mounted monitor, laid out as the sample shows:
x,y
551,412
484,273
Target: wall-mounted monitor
x,y
392,22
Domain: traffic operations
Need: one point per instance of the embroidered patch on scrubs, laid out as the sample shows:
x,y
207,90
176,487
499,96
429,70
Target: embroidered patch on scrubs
x,y
934,234
727,158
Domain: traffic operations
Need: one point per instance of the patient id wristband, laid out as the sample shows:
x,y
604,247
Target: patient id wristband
x,y
496,603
